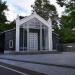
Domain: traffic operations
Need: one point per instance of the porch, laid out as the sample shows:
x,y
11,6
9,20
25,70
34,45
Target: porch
x,y
33,37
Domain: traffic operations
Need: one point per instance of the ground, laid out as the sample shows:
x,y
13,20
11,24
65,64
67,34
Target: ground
x,y
51,64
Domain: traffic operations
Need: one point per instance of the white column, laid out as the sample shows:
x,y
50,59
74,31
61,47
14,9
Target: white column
x,y
46,38
50,39
27,37
17,34
40,37
23,38
17,38
50,35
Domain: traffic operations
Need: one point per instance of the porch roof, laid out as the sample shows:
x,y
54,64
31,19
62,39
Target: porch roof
x,y
34,15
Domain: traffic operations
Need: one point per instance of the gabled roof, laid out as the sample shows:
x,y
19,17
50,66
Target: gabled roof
x,y
34,15
8,30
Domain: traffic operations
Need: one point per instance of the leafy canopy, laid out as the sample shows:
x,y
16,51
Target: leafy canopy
x,y
67,21
3,20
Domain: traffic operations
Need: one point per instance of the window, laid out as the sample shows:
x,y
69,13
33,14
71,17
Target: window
x,y
10,43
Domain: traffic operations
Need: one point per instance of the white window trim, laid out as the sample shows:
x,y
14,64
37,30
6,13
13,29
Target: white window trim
x,y
10,41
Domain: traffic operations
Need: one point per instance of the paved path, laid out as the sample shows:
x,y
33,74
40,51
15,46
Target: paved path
x,y
58,59
48,70
67,59
4,71
7,69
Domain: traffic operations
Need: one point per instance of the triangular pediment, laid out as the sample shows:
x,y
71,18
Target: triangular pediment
x,y
32,16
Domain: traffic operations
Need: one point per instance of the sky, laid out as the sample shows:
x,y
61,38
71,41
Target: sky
x,y
23,8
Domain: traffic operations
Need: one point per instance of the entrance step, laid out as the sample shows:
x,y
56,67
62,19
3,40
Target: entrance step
x,y
33,53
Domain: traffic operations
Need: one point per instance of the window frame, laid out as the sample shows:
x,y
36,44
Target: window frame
x,y
10,43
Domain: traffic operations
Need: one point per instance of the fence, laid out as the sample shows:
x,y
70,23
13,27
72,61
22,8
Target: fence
x,y
66,47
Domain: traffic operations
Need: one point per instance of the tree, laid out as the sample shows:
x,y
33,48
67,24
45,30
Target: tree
x,y
66,33
2,15
12,25
46,10
3,25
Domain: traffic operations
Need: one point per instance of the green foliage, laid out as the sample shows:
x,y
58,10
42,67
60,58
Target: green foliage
x,y
67,22
67,35
3,25
2,15
12,25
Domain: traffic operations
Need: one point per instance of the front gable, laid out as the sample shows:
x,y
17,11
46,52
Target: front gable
x,y
30,18
33,23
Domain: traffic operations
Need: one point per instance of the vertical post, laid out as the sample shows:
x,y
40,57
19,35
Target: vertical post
x,y
17,38
45,38
40,37
50,34
50,39
23,38
27,37
17,34
46,42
